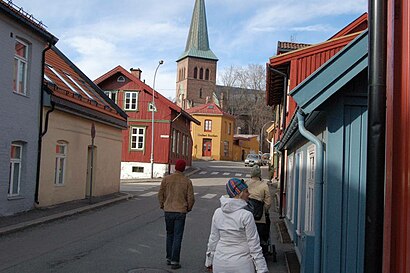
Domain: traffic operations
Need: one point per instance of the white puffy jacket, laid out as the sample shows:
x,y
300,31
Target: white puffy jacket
x,y
233,245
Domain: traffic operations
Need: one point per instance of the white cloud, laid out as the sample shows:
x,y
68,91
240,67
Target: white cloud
x,y
99,35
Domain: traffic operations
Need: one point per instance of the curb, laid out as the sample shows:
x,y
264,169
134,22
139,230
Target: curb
x,y
154,180
45,219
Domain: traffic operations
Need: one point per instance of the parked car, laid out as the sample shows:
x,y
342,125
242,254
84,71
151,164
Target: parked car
x,y
253,159
265,158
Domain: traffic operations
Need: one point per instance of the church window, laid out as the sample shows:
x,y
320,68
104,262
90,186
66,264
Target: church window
x,y
195,72
207,74
201,73
200,93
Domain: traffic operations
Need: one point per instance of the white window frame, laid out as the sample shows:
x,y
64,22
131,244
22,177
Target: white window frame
x,y
310,188
136,136
13,163
60,163
290,187
128,104
19,61
208,125
110,95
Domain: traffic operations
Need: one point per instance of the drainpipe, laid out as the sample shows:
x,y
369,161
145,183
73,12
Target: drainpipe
x,y
374,221
40,136
318,189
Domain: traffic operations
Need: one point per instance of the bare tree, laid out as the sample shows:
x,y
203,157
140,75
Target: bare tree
x,y
244,96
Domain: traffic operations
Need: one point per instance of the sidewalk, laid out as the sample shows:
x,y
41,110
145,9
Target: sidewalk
x,y
38,216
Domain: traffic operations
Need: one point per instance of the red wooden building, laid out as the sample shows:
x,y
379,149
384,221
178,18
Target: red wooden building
x,y
396,254
172,137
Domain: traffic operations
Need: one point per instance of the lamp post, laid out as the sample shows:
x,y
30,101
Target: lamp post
x,y
153,108
261,135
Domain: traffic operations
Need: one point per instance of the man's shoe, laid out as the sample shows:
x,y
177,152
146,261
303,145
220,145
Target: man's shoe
x,y
168,262
175,266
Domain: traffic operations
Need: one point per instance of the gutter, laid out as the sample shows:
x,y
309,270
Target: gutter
x,y
40,136
318,189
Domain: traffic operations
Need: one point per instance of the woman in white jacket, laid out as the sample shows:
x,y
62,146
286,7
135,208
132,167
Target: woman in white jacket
x,y
233,245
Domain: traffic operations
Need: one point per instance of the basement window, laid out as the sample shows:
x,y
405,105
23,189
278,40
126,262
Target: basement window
x,y
137,169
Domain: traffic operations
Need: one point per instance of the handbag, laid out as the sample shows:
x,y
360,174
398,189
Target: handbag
x,y
256,207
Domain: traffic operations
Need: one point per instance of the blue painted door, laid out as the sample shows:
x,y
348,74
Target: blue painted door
x,y
353,189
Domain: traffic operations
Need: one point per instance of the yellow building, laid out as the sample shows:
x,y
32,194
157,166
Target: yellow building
x,y
82,135
244,145
213,139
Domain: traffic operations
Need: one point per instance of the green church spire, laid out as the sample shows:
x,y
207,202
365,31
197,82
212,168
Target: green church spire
x,y
197,44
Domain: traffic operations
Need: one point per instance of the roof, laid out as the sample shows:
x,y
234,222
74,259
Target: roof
x,y
210,109
197,44
146,88
284,47
306,60
357,25
244,137
22,17
333,75
72,90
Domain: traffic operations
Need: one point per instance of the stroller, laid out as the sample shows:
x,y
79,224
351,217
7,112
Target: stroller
x,y
269,250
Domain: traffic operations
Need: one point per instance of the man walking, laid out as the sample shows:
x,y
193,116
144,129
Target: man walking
x,y
176,198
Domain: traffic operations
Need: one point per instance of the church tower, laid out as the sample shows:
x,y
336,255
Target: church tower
x,y
196,67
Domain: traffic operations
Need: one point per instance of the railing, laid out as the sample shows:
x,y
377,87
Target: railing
x,y
27,15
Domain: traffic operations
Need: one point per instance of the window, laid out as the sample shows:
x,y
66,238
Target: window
x,y
200,93
187,146
195,72
174,140
226,148
208,125
207,74
310,189
62,79
79,86
121,79
61,154
178,143
201,73
20,67
290,188
137,169
299,161
226,127
15,169
183,144
137,138
112,95
229,128
131,101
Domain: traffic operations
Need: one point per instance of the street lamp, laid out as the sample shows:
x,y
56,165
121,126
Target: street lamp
x,y
261,135
153,108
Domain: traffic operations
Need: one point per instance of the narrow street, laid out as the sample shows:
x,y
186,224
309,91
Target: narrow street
x,y
122,237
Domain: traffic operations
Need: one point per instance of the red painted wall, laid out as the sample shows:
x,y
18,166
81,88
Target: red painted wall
x,y
397,204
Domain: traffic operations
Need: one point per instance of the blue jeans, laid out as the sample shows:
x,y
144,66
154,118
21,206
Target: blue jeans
x,y
175,223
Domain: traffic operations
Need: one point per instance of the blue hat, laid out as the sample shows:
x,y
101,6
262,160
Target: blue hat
x,y
235,186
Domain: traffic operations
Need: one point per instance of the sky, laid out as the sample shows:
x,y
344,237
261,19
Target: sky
x,y
98,35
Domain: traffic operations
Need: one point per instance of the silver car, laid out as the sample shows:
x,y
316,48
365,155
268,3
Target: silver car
x,y
253,159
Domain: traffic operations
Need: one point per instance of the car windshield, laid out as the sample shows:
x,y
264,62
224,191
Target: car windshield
x,y
252,156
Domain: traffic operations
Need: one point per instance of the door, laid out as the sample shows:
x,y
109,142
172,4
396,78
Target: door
x,y
91,158
206,147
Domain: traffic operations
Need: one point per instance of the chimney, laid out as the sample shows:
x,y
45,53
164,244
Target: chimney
x,y
136,72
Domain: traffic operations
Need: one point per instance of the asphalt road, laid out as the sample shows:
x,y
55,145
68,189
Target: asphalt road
x,y
124,237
